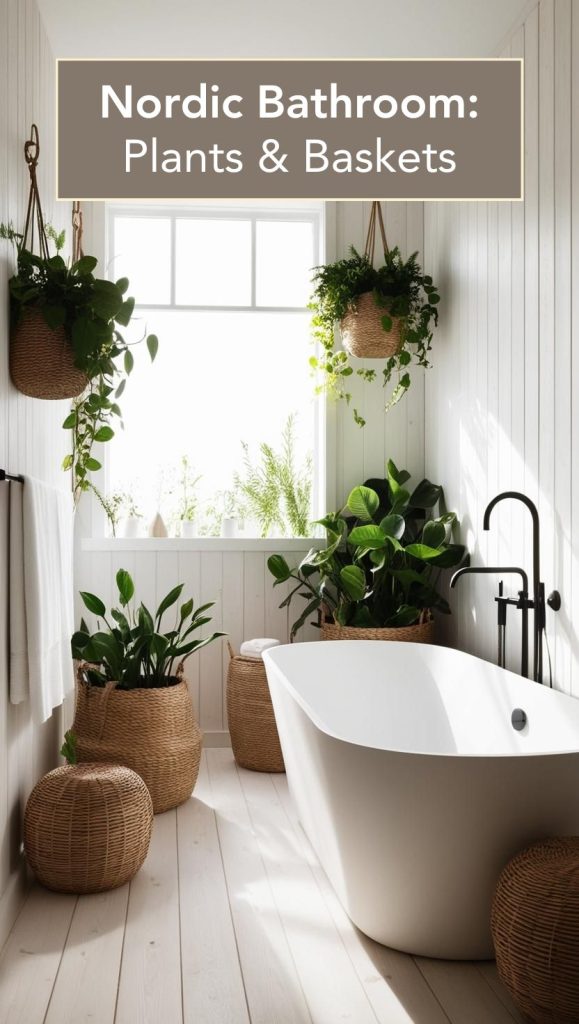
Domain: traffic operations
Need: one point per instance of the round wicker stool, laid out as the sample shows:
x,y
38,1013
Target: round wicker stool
x,y
254,736
535,927
87,827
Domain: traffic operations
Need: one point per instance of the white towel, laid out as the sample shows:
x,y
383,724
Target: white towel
x,y
46,543
255,648
16,606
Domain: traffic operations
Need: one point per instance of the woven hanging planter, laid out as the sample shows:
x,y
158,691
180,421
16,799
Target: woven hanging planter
x,y
535,928
151,730
420,633
87,827
254,736
363,334
41,359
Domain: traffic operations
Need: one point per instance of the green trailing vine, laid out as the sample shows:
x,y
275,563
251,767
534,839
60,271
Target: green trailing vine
x,y
399,288
92,312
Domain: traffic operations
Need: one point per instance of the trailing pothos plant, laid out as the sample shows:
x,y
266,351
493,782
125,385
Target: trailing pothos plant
x,y
131,648
400,289
92,312
383,556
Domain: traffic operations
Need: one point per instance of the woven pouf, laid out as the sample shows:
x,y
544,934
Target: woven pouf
x,y
87,827
535,927
254,736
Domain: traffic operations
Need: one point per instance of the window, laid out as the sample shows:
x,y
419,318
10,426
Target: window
x,y
216,427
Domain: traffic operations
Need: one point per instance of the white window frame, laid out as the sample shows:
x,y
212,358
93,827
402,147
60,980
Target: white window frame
x,y
322,216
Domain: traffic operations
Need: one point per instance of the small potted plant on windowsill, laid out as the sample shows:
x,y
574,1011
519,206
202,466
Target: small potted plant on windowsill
x,y
185,518
377,576
386,313
133,705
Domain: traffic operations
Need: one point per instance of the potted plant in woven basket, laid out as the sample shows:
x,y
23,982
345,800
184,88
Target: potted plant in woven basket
x,y
385,312
133,705
65,329
377,576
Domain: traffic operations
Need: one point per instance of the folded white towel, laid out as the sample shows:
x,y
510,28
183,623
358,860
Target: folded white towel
x,y
17,607
44,535
255,648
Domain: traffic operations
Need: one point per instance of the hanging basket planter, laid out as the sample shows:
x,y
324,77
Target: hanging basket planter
x,y
42,361
363,333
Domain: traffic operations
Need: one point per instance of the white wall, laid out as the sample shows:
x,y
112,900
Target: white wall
x,y
31,439
237,578
499,402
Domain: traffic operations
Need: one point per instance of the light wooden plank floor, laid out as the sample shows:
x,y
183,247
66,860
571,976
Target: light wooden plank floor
x,y
230,921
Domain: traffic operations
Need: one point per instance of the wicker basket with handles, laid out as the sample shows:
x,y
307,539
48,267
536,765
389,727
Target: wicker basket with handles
x,y
254,736
151,730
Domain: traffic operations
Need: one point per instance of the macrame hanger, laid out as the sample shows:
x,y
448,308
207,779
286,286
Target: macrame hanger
x,y
375,215
77,252
34,216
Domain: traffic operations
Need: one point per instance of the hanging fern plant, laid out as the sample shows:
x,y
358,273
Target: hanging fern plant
x,y
392,309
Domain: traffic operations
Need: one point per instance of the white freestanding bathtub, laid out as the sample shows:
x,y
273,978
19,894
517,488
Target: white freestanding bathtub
x,y
412,784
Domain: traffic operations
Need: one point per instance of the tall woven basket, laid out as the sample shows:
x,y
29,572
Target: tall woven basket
x,y
87,827
153,731
42,362
363,334
421,633
254,736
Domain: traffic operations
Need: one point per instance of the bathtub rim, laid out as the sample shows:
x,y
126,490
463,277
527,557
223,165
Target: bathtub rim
x,y
269,656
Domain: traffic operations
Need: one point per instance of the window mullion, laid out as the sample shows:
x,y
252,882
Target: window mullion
x,y
253,261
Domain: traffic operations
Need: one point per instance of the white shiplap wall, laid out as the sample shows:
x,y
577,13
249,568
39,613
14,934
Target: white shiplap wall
x,y
238,580
501,401
31,438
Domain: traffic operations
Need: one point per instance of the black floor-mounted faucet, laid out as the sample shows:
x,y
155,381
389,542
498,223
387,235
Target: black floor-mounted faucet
x,y
537,603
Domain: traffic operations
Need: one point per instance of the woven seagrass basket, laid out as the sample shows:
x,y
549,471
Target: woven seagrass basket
x,y
363,334
254,736
87,827
420,633
41,360
535,928
153,731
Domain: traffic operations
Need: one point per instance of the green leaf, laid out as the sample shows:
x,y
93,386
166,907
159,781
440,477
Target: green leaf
x,y
54,316
145,619
121,388
125,313
370,536
406,615
433,534
449,556
93,603
153,346
126,586
278,568
363,502
386,323
122,284
399,476
70,421
104,434
425,495
85,265
129,363
93,464
422,551
353,581
393,525
169,600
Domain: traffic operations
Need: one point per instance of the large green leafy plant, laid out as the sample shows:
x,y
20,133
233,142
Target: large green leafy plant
x,y
384,553
92,312
133,649
400,289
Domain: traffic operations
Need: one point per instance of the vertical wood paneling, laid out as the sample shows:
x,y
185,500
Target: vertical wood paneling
x,y
31,439
509,373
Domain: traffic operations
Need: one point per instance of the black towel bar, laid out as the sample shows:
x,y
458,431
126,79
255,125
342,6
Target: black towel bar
x,y
9,476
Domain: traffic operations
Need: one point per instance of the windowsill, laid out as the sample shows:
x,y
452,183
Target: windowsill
x,y
201,543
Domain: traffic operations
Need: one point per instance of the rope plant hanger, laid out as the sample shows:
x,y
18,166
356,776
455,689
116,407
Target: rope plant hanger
x,y
41,356
364,332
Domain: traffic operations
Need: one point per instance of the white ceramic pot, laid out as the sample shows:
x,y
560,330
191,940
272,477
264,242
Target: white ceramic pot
x,y
131,526
228,527
188,528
